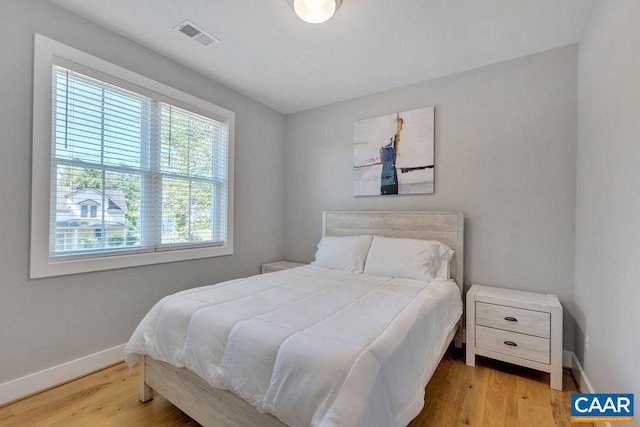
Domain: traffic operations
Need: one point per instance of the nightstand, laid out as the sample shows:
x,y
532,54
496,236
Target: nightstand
x,y
523,328
279,265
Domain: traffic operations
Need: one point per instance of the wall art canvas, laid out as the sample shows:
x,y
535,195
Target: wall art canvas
x,y
394,154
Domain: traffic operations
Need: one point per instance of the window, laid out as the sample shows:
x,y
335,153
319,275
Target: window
x,y
139,173
161,162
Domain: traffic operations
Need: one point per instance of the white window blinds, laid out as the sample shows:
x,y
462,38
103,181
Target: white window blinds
x,y
132,172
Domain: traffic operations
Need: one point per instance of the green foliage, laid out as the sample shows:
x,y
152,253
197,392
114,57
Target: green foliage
x,y
115,241
81,178
89,242
187,150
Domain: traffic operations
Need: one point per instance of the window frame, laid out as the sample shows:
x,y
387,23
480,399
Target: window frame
x,y
48,53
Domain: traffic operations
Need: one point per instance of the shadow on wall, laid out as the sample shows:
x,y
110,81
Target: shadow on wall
x,y
579,337
468,259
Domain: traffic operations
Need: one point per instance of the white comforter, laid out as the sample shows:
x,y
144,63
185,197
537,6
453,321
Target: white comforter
x,y
310,345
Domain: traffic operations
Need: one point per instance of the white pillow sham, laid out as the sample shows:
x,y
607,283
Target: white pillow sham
x,y
408,258
343,253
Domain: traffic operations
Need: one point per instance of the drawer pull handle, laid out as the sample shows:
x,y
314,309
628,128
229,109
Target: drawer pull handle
x,y
510,319
511,343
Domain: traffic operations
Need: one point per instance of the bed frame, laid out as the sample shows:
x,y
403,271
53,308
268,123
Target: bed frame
x,y
215,407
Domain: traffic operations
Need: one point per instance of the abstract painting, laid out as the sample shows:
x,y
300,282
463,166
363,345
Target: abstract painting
x,y
394,154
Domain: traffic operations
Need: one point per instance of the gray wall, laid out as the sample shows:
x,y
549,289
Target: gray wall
x,y
505,155
607,265
50,321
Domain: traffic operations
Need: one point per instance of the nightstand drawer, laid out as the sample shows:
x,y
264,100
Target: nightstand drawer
x,y
513,344
518,320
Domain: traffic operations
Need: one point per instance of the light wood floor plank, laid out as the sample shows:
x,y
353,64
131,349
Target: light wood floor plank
x,y
533,405
491,394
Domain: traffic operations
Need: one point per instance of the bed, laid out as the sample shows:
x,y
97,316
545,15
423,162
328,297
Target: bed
x,y
306,383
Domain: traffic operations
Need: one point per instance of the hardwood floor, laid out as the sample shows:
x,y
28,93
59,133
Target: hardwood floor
x,y
491,394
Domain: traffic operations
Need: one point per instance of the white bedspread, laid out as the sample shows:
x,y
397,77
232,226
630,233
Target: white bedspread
x,y
310,345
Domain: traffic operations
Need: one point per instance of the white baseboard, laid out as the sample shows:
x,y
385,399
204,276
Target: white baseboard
x,y
583,383
47,378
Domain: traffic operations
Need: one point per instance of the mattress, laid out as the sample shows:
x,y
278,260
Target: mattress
x,y
310,345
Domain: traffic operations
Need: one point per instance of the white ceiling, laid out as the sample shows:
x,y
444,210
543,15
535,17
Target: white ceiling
x,y
270,55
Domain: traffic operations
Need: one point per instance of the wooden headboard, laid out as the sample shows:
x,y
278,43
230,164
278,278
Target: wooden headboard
x,y
447,227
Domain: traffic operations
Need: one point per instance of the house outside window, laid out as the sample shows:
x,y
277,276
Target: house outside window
x,y
80,223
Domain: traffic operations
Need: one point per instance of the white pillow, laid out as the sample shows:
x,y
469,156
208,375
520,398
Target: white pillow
x,y
343,253
408,258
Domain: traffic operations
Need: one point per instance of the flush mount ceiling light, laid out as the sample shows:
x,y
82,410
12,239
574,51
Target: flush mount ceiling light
x,y
315,11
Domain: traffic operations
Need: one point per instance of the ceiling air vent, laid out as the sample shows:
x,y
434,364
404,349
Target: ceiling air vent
x,y
190,30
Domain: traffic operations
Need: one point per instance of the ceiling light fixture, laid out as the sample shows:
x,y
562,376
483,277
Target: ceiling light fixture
x,y
315,11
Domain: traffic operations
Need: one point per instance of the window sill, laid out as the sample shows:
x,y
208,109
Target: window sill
x,y
41,266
